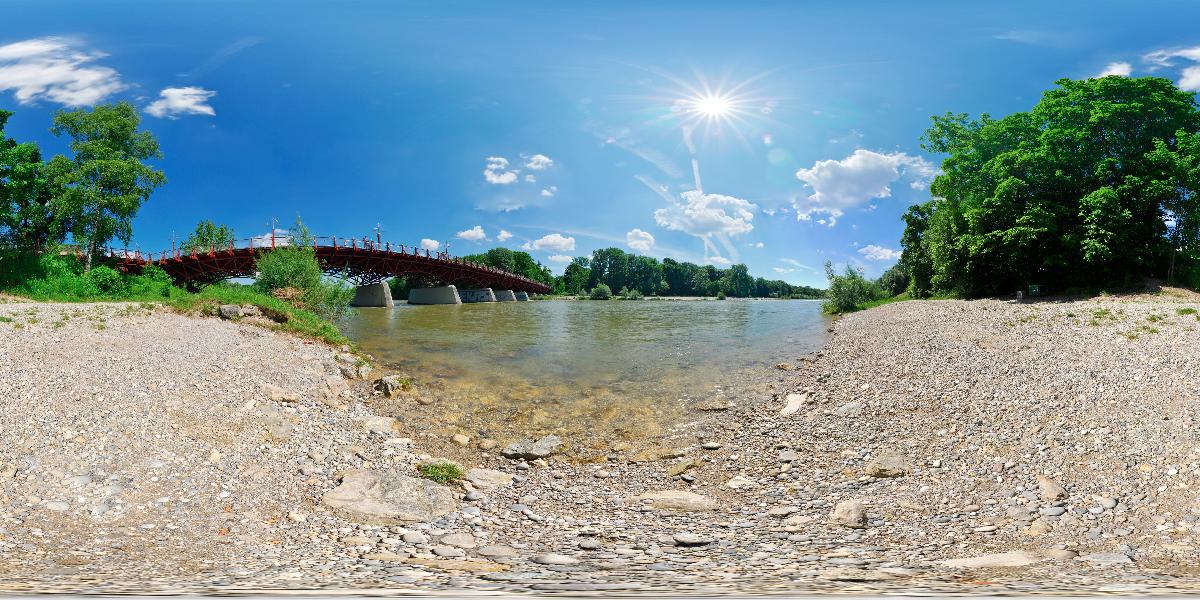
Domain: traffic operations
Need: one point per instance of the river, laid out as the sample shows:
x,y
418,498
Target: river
x,y
605,370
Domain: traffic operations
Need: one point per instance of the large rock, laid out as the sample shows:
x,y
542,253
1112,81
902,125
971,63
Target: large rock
x,y
675,500
850,513
986,561
1051,489
377,498
529,449
230,311
888,464
392,385
486,479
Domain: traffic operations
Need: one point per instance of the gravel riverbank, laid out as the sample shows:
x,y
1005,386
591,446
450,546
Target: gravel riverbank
x,y
946,446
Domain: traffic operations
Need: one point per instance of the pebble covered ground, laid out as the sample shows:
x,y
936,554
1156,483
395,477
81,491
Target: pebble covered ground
x,y
944,446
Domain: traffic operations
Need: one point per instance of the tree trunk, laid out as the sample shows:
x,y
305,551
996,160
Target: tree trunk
x,y
87,260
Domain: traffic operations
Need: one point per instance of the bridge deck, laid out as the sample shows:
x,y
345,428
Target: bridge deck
x,y
360,261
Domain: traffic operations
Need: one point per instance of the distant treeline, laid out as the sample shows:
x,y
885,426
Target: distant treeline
x,y
643,275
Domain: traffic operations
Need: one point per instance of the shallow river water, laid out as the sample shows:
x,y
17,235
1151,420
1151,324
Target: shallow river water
x,y
617,369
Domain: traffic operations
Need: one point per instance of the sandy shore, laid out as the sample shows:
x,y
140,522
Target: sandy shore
x,y
979,446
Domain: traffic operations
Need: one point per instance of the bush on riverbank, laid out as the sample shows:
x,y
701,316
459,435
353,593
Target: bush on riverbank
x,y
850,291
61,278
601,292
293,273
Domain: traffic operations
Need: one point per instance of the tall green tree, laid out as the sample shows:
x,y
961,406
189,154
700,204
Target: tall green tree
x,y
1079,190
609,266
575,277
208,235
26,222
100,188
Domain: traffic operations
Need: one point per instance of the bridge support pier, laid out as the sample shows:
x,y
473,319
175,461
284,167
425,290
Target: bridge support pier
x,y
471,296
522,296
505,296
447,294
373,294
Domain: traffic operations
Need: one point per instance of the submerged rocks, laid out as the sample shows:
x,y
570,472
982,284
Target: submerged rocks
x,y
379,498
530,450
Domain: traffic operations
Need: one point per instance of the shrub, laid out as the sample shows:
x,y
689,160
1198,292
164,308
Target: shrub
x,y
848,291
292,273
601,292
107,280
721,295
442,471
628,294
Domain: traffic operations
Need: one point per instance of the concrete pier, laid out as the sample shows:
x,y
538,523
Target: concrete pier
x,y
522,297
483,295
374,294
438,295
505,296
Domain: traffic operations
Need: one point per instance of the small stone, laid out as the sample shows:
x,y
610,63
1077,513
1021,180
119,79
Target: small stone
x,y
710,446
530,450
448,552
487,444
496,551
460,439
1005,559
554,559
681,467
230,311
590,543
1051,490
793,404
297,517
738,482
415,538
278,394
888,464
459,540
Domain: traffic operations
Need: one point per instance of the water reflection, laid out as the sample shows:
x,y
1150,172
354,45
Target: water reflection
x,y
615,369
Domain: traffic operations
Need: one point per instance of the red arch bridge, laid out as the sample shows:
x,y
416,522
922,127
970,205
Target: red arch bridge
x,y
364,262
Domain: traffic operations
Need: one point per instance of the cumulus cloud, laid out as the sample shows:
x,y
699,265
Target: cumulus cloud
x,y
51,69
473,234
839,185
1189,76
561,258
702,215
554,242
873,252
550,191
429,244
758,245
639,240
495,172
718,260
530,179
503,235
539,162
190,100
1122,69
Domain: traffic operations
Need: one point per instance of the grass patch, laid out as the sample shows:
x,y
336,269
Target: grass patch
x,y
1185,311
442,471
1155,317
287,317
4,319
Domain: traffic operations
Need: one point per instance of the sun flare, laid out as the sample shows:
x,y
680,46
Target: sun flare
x,y
713,106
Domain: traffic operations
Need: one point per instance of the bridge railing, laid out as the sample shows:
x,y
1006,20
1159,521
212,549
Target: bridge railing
x,y
275,241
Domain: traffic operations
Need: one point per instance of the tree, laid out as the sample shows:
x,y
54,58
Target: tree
x,y
643,273
99,190
739,282
609,267
207,235
1073,192
25,218
575,277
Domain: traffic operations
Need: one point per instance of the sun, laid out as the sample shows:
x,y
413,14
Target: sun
x,y
713,106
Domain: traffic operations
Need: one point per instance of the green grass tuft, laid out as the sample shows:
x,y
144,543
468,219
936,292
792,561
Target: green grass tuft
x,y
442,472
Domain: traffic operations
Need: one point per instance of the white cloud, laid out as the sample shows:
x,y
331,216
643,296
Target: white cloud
x,y
874,252
718,260
495,172
839,185
281,238
554,242
550,191
173,102
702,215
530,179
539,162
783,270
50,69
429,244
503,235
758,245
799,266
474,234
561,258
1123,69
1189,79
639,240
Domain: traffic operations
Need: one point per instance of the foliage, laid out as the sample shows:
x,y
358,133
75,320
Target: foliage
x,y
514,261
208,235
1097,183
442,471
628,294
97,192
25,218
601,292
849,291
575,277
294,266
894,281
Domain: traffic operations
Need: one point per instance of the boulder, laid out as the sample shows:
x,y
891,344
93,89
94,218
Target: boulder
x,y
850,513
486,479
794,402
1051,489
230,311
279,394
378,498
675,500
888,464
986,561
529,449
392,385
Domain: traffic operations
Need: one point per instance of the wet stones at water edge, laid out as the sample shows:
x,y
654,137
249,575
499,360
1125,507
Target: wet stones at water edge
x,y
531,450
392,385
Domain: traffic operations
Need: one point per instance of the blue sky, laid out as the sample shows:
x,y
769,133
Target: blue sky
x,y
566,127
